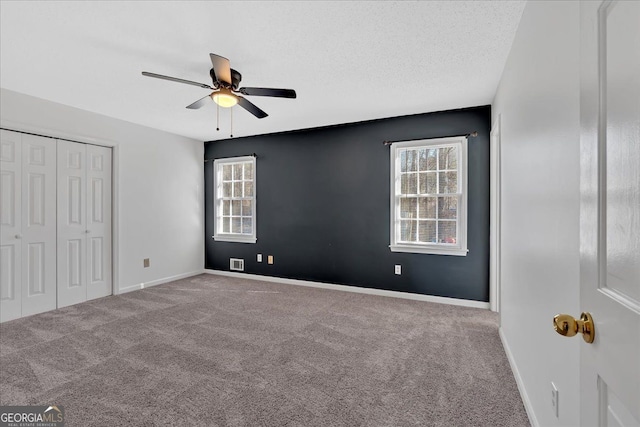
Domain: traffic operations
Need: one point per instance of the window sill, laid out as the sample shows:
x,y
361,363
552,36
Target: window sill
x,y
428,250
235,239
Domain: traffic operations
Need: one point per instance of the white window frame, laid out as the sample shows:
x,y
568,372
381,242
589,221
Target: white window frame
x,y
218,235
458,249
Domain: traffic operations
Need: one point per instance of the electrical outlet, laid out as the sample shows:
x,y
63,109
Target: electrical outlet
x,y
555,395
146,263
259,257
398,269
270,259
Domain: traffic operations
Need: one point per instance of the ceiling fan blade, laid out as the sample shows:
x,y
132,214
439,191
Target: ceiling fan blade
x,y
221,67
175,79
200,103
250,107
263,91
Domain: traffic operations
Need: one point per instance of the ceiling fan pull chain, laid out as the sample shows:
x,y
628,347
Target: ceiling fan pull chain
x,y
231,109
217,116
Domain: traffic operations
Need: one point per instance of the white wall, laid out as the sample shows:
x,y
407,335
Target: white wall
x,y
538,100
160,181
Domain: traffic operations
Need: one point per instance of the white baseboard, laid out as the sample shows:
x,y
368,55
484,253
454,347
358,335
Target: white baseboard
x,y
355,289
523,392
139,286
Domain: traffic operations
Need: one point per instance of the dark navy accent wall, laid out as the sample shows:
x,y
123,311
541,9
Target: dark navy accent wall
x,y
323,199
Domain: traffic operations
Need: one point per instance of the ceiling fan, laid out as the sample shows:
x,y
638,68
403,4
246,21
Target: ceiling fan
x,y
226,88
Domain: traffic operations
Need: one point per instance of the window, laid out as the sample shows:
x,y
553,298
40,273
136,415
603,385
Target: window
x,y
429,196
235,200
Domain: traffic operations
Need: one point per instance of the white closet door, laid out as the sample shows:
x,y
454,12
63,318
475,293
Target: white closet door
x,y
10,225
98,221
38,224
72,223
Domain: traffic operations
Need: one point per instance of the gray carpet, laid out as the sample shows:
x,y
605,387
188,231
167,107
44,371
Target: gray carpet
x,y
217,351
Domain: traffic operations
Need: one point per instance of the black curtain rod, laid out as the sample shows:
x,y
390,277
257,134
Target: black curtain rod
x,y
229,157
471,134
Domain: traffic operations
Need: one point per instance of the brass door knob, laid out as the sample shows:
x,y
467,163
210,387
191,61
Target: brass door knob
x,y
567,326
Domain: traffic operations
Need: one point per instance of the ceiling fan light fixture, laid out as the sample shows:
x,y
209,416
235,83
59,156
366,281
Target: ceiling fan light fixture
x,y
224,98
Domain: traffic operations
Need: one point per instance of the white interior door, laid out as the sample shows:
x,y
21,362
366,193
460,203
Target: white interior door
x,y
10,225
98,221
610,211
72,223
38,224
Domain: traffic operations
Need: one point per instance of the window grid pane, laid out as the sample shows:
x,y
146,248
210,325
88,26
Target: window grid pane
x,y
429,195
429,172
236,198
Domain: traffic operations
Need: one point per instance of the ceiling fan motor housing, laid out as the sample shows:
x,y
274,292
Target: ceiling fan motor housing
x,y
236,78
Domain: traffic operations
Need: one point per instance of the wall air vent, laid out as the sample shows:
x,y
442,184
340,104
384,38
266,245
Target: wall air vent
x,y
236,264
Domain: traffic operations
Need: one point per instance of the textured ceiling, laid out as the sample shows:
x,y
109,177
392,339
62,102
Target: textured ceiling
x,y
348,61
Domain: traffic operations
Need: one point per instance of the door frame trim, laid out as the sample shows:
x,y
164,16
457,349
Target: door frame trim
x,y
22,127
495,168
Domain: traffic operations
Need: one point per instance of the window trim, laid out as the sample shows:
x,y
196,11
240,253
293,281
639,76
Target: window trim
x,y
217,201
463,173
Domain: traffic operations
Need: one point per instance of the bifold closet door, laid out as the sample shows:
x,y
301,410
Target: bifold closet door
x,y
72,223
10,225
28,222
99,283
84,222
38,224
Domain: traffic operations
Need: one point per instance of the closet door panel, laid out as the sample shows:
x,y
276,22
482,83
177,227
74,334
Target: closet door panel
x,y
10,225
99,282
38,224
72,223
